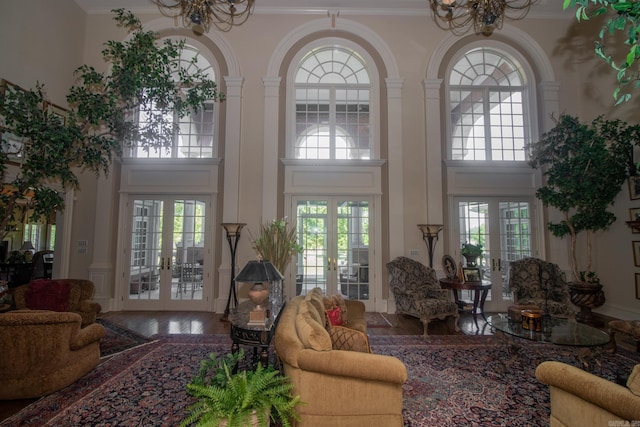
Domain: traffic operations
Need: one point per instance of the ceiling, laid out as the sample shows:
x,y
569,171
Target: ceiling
x,y
548,9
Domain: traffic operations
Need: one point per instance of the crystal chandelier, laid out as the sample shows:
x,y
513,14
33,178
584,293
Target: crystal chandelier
x,y
200,14
484,15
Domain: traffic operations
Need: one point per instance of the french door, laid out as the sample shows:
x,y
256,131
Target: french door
x,y
336,234
167,253
504,228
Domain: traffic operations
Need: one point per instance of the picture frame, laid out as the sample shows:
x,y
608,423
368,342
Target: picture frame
x,y
634,214
449,266
56,111
471,274
634,187
636,252
637,285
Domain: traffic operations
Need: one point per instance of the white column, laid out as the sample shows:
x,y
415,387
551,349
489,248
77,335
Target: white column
x,y
396,165
270,160
232,142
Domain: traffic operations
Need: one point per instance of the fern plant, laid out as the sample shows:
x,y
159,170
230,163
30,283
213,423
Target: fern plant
x,y
237,397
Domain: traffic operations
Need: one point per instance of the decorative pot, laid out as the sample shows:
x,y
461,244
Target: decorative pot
x,y
251,422
471,260
587,296
258,294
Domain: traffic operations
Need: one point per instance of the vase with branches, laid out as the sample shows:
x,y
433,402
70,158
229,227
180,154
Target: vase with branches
x,y
277,242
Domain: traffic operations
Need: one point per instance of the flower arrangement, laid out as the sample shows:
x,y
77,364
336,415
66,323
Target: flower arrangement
x,y
278,243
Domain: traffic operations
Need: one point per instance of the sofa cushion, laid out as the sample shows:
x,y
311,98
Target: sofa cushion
x,y
48,295
633,383
343,338
333,301
316,306
311,333
334,315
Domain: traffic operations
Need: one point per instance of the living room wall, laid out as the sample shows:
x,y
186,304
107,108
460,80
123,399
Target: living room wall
x,y
49,53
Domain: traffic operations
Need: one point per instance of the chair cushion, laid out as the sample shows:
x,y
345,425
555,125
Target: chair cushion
x,y
48,295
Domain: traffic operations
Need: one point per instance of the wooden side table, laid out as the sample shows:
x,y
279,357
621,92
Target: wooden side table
x,y
480,291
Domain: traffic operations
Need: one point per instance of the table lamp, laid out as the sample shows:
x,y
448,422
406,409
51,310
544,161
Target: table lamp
x,y
259,272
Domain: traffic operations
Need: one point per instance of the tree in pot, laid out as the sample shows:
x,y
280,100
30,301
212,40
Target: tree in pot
x,y
43,144
471,253
245,398
584,166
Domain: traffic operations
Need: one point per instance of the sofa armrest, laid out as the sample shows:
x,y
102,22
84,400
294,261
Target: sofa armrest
x,y
365,366
86,336
600,392
88,306
355,309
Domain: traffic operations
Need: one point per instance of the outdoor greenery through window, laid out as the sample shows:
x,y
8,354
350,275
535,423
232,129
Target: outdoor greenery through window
x,y
193,136
488,98
332,89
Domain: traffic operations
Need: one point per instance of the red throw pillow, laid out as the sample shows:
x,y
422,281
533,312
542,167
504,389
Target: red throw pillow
x,y
335,316
48,295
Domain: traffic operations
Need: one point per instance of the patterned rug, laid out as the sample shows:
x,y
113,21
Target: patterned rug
x,y
377,320
118,339
453,380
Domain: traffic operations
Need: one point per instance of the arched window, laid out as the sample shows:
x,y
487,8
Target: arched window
x,y
195,136
489,111
332,94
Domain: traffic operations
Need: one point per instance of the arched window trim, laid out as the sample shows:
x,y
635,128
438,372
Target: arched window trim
x,y
529,95
374,92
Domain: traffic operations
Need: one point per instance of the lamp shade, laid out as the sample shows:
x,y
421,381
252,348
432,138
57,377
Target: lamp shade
x,y
259,271
27,246
430,230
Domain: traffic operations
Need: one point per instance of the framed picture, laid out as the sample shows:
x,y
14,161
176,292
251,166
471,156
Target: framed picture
x,y
56,111
449,267
637,285
634,187
634,214
471,274
636,252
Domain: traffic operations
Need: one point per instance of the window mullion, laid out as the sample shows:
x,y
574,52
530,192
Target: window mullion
x,y
332,122
487,122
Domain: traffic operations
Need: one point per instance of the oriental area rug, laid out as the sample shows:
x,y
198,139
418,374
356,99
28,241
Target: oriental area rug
x,y
118,339
452,380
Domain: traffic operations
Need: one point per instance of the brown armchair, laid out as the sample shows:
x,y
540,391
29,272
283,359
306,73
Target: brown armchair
x,y
417,293
79,300
531,278
44,351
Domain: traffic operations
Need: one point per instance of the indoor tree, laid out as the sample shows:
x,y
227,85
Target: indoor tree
x,y
623,17
44,145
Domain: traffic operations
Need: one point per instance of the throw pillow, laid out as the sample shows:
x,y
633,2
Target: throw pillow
x,y
633,383
311,333
48,295
336,301
343,338
335,316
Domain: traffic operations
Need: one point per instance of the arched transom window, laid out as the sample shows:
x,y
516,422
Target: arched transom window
x,y
488,95
194,136
332,87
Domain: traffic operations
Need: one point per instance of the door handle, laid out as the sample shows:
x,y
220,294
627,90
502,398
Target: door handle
x,y
493,264
334,264
499,264
328,264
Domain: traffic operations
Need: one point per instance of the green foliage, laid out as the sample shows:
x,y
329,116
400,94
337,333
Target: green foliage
x,y
236,397
40,147
470,249
278,243
585,166
624,17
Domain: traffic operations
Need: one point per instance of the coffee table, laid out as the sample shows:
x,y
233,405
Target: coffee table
x,y
559,331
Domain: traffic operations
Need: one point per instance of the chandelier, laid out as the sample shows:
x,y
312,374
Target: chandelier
x,y
484,15
200,14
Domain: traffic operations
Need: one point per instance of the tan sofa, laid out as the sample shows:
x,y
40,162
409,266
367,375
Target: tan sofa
x,y
339,387
44,351
581,399
80,301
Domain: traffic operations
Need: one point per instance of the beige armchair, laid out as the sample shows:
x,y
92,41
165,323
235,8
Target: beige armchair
x,y
44,351
581,399
80,297
417,293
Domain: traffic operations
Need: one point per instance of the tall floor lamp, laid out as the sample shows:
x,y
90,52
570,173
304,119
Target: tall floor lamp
x,y
233,236
430,237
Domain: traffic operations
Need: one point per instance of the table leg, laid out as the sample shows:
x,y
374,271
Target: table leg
x,y
234,349
264,356
476,300
482,300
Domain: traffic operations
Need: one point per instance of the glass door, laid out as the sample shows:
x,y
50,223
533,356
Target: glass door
x,y
504,229
167,254
335,234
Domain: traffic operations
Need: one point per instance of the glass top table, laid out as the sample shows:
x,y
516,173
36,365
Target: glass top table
x,y
559,331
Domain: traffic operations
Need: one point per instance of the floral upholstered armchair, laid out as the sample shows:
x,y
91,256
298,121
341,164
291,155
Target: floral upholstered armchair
x,y
417,293
531,278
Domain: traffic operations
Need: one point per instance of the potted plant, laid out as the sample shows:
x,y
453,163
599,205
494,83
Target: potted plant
x,y
277,242
471,253
584,166
245,398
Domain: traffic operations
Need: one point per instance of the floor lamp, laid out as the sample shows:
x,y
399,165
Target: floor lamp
x,y
233,236
430,237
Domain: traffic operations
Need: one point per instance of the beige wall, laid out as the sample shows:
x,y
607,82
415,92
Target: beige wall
x,y
50,52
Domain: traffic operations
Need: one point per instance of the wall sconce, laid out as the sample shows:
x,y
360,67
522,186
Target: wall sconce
x,y
259,272
233,235
430,237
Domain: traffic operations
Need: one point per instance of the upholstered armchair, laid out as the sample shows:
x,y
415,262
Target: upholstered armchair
x,y
73,295
531,278
44,351
417,293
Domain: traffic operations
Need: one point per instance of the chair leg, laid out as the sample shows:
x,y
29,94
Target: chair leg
x,y
425,322
614,347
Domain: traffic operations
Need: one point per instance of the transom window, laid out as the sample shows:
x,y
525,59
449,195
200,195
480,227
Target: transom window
x,y
332,105
487,92
193,135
